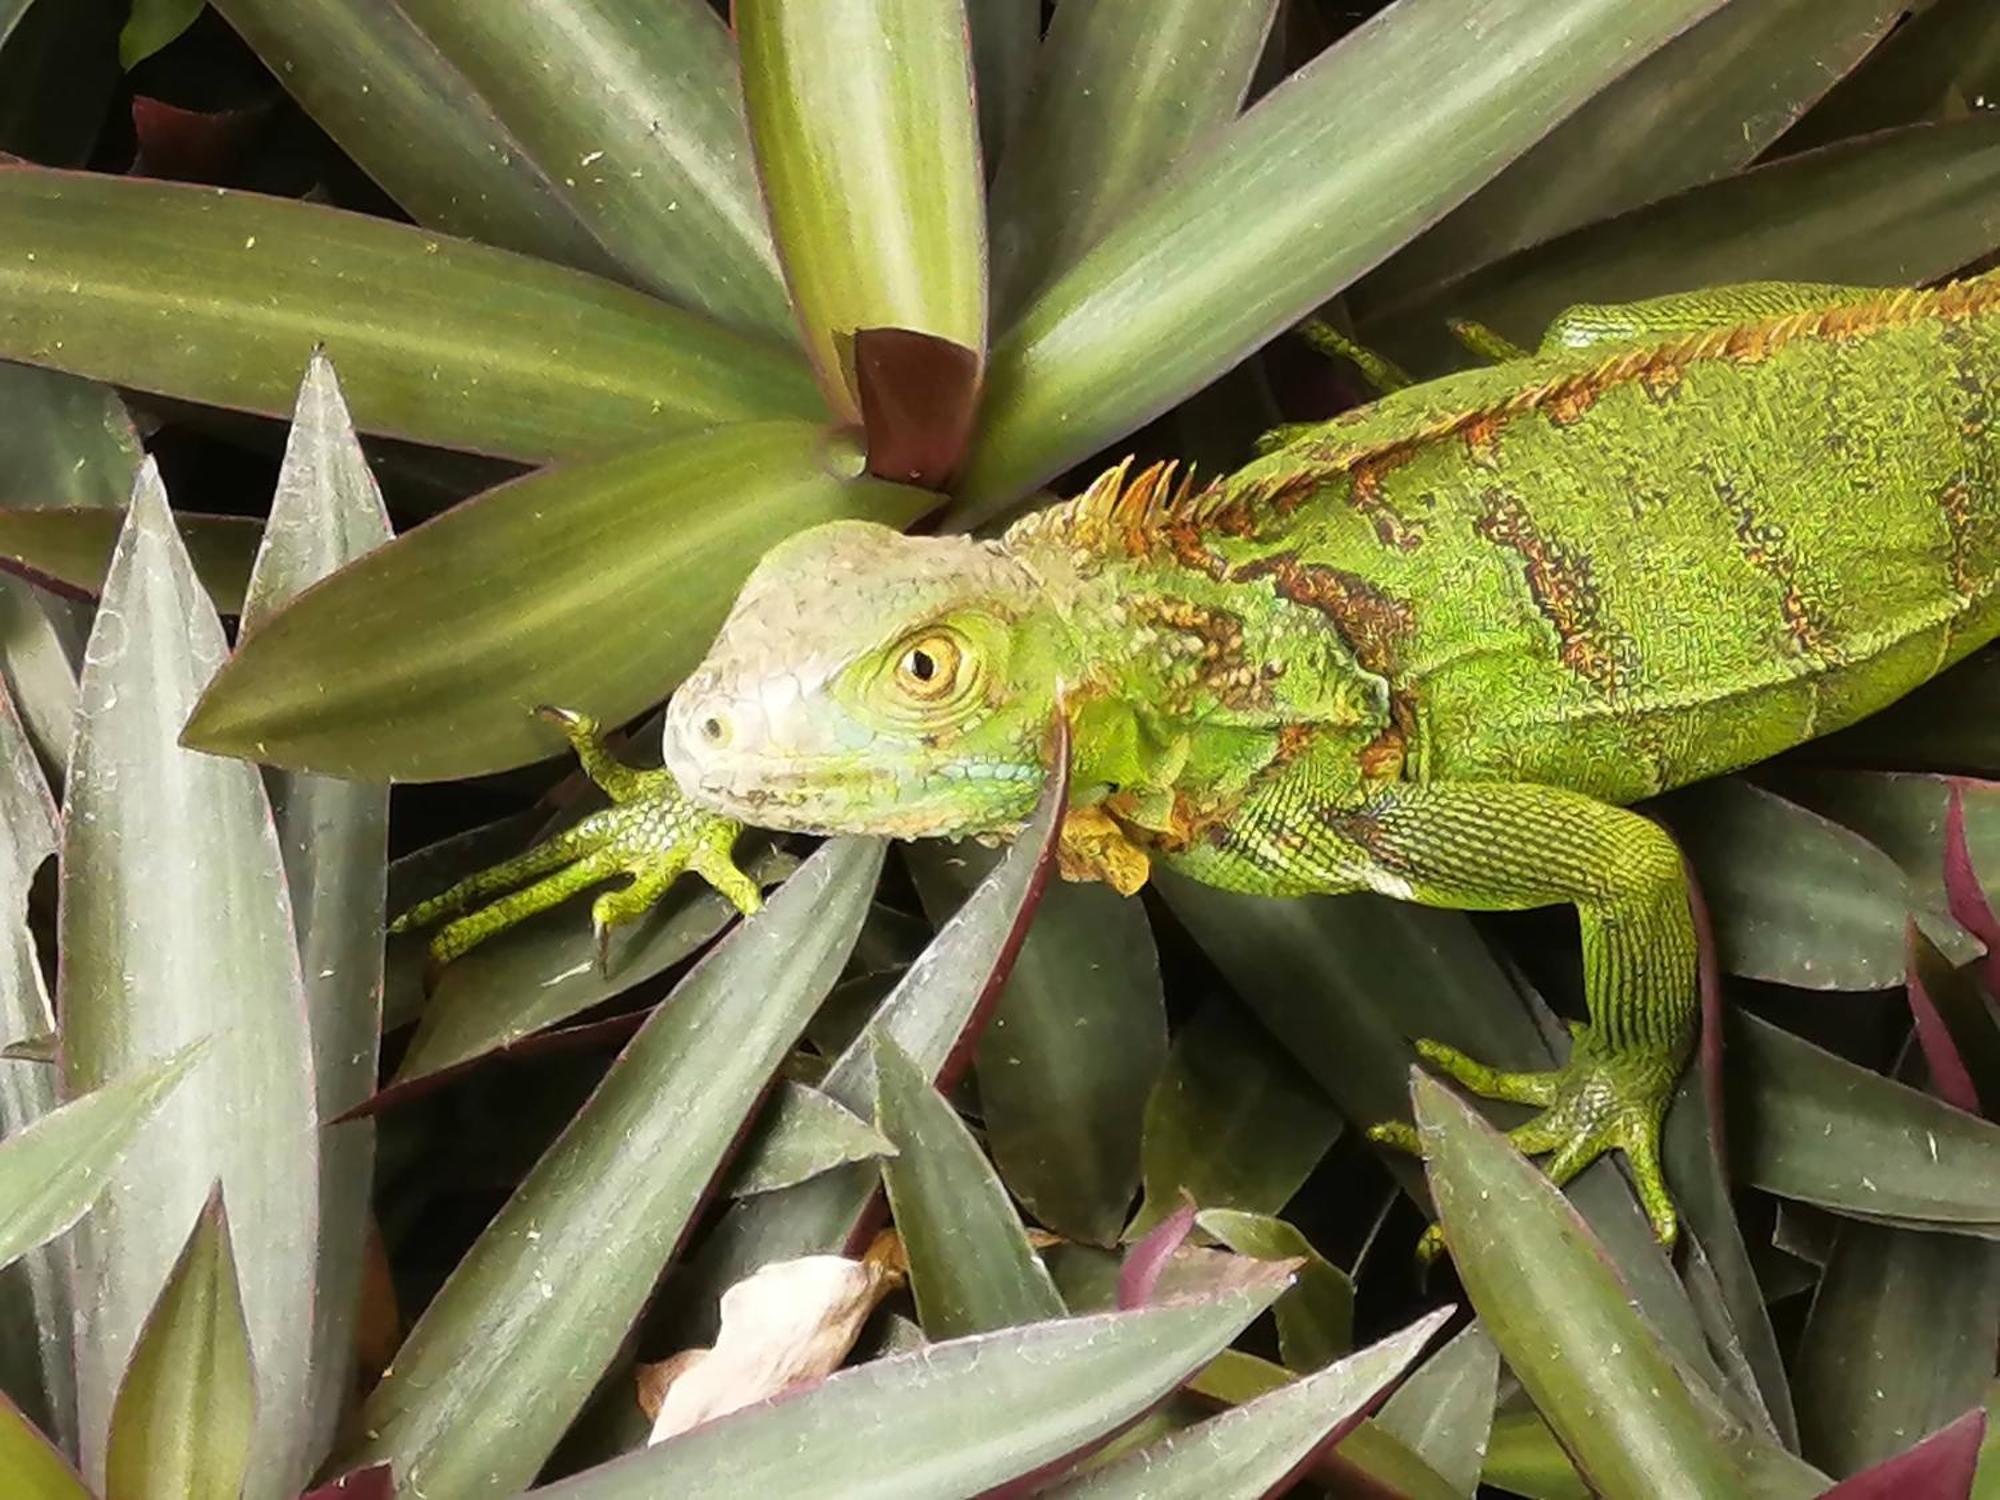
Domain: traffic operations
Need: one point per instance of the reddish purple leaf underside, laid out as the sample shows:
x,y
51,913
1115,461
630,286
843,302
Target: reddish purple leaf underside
x,y
1938,1468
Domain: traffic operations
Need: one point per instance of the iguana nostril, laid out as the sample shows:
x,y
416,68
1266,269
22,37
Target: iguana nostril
x,y
714,729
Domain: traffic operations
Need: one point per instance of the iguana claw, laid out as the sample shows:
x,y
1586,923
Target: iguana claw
x,y
651,833
1599,1100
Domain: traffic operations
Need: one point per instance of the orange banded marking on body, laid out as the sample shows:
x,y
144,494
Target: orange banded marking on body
x,y
1560,581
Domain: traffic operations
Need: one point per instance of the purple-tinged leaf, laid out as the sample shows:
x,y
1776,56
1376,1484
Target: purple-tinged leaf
x,y
1951,1080
917,393
1964,896
1938,1468
1139,1276
372,1483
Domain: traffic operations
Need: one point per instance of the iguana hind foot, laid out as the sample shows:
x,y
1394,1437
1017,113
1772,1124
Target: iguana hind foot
x,y
650,833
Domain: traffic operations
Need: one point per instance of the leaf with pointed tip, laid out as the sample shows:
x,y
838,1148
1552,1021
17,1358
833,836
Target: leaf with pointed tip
x,y
1819,1129
35,1469
216,296
862,120
636,116
1562,1318
334,836
422,659
152,25
574,1254
971,1267
958,1418
1233,1122
71,547
1939,61
1939,1467
1444,1411
1077,1041
181,1427
1275,213
934,1013
1125,89
1316,1317
153,958
801,1134
1258,1448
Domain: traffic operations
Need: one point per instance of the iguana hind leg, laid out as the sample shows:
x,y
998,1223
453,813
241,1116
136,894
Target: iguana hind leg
x,y
1507,846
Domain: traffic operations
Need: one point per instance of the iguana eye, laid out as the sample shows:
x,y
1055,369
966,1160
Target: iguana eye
x,y
929,666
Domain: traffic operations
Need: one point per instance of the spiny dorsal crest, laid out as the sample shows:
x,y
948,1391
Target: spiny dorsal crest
x,y
1120,510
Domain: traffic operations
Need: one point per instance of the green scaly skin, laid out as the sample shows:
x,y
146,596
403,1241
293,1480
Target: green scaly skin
x,y
1431,648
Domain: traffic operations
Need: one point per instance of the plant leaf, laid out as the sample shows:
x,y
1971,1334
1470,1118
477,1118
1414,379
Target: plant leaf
x,y
1233,1122
1276,213
1125,89
1561,1317
34,1468
862,119
636,116
1258,1448
1316,1317
971,1267
1940,1466
1005,36
152,25
72,546
1819,1129
181,1428
216,296
1932,67
422,660
801,1134
334,837
1444,1411
951,1419
153,958
1077,1041
566,1266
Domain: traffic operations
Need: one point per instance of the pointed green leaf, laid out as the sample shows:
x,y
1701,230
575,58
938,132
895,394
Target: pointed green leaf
x,y
1899,1341
1316,1317
334,836
801,1134
72,546
422,660
971,1268
217,297
152,25
1277,212
175,924
1077,1041
567,1264
1125,89
54,1169
35,1470
1233,1121
1811,1126
418,126
1525,1458
11,12
181,1427
1731,85
1937,63
1560,1315
635,114
1257,1448
1444,1411
948,1420
862,119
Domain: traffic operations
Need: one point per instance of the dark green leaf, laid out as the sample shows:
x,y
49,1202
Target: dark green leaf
x,y
217,297
1124,90
154,958
1938,64
948,1420
422,659
1316,1317
569,1262
153,24
800,1134
1233,1122
862,118
971,1267
181,1428
1076,1043
1277,212
1005,35
73,547
1524,1458
1561,1316
1444,1411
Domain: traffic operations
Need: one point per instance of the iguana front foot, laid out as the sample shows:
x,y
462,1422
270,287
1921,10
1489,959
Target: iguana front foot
x,y
1600,1100
651,833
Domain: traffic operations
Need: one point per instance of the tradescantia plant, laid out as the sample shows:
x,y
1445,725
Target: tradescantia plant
x,y
631,293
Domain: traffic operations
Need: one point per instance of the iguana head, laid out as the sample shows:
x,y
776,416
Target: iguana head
x,y
869,682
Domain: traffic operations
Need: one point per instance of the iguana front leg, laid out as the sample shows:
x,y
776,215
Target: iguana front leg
x,y
1506,846
651,833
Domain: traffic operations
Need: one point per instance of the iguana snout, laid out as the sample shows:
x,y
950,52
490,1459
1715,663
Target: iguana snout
x,y
867,681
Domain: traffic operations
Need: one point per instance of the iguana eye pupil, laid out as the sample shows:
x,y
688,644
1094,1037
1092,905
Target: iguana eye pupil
x,y
923,666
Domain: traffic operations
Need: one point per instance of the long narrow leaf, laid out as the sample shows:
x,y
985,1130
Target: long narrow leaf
x,y
72,546
175,925
505,1354
217,297
35,1470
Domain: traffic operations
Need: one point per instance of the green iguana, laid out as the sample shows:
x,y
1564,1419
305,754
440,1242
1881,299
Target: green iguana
x,y
1429,648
